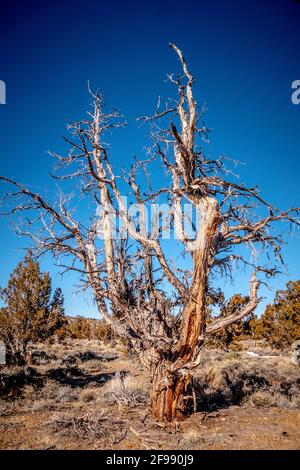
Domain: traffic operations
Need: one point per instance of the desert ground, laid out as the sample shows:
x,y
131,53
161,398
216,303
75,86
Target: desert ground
x,y
89,395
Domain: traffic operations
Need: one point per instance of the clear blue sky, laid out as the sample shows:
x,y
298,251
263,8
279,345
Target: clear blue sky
x,y
244,54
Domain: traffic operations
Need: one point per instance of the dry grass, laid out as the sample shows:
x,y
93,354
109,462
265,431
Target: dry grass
x,y
126,390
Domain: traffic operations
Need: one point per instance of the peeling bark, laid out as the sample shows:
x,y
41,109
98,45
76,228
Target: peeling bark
x,y
194,313
170,393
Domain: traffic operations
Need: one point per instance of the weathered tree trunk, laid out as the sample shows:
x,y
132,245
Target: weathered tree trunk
x,y
171,381
194,313
170,394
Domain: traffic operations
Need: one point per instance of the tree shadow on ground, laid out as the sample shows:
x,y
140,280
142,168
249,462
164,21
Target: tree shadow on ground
x,y
12,385
88,356
229,391
75,377
231,387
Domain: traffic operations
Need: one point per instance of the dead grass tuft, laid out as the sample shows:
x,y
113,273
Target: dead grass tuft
x,y
126,390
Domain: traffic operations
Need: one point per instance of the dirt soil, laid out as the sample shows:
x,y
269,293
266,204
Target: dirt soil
x,y
92,406
232,428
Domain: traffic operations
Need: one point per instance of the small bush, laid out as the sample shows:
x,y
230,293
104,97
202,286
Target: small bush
x,y
88,395
262,399
232,382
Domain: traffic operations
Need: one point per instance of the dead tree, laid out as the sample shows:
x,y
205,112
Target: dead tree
x,y
160,309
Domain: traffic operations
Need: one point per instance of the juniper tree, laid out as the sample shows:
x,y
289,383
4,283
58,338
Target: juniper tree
x,y
279,325
236,331
156,304
29,314
79,328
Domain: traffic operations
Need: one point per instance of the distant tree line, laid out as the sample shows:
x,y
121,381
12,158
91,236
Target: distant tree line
x,y
86,328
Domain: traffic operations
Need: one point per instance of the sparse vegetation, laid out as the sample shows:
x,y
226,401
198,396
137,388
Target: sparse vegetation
x,y
101,400
89,392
